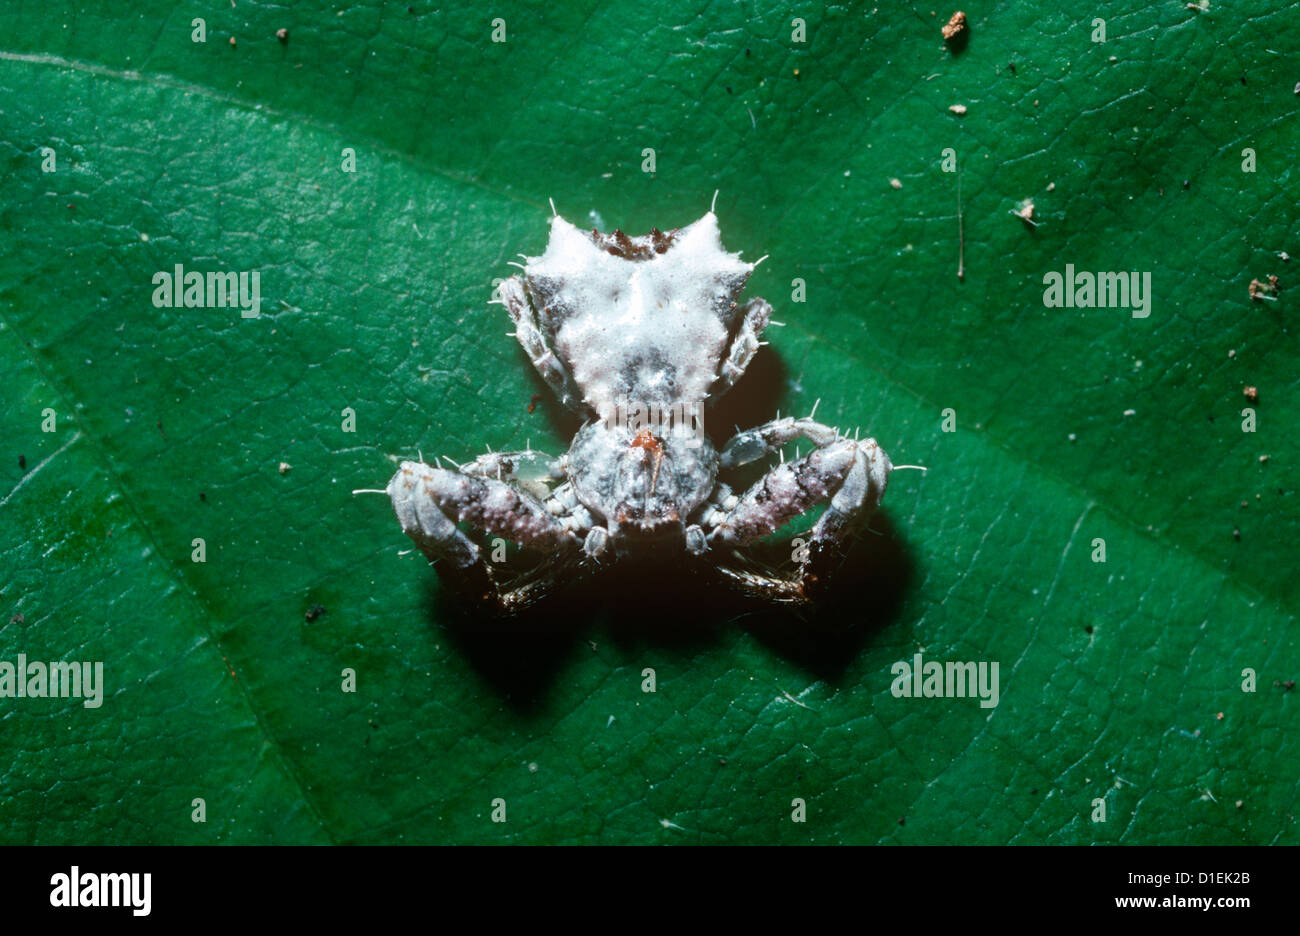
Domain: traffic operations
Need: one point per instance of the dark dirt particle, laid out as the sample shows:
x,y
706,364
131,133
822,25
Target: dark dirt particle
x,y
1288,685
533,401
18,618
203,496
1087,628
901,819
313,613
1012,66
1034,791
22,462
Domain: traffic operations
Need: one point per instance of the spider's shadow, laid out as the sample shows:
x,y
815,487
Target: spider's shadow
x,y
669,604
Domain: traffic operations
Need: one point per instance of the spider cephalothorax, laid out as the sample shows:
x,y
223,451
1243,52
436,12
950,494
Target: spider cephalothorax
x,y
639,335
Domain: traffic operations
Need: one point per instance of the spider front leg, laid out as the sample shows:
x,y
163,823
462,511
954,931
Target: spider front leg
x,y
430,501
849,476
757,313
528,332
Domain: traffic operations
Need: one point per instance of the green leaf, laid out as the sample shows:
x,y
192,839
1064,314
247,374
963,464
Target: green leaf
x,y
1119,681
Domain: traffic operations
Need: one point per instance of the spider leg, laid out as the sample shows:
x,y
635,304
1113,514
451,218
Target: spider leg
x,y
429,502
524,467
565,506
528,333
848,475
745,344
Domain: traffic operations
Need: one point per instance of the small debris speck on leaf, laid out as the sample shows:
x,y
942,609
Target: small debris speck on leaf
x,y
955,26
283,36
22,462
894,183
285,468
1251,393
18,618
313,613
958,109
1260,290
